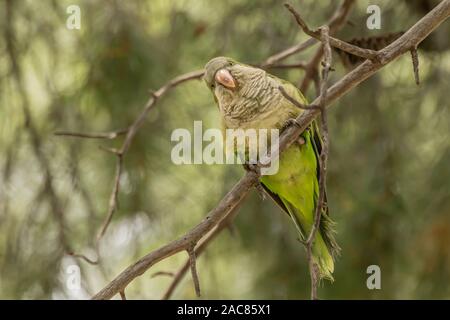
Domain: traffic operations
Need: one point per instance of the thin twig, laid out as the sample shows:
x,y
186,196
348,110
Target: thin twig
x,y
225,223
297,65
344,46
122,295
193,266
336,21
415,61
162,273
99,135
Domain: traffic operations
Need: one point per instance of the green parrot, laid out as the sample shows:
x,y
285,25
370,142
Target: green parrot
x,y
249,98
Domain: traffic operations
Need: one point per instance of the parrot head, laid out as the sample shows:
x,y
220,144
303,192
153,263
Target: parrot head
x,y
235,86
218,73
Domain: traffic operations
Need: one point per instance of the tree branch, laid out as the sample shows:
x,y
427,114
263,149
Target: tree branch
x,y
129,133
223,224
235,196
336,21
415,62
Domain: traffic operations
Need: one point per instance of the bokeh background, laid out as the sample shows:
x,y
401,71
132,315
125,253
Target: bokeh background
x,y
388,184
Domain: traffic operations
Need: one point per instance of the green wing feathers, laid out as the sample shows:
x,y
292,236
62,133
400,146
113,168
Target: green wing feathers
x,y
296,186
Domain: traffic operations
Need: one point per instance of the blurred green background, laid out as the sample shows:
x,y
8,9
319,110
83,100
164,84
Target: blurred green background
x,y
389,172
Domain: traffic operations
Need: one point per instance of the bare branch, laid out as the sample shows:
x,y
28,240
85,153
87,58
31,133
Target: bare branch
x,y
130,134
224,224
344,46
235,196
336,21
415,61
232,200
297,65
320,207
113,199
162,273
288,52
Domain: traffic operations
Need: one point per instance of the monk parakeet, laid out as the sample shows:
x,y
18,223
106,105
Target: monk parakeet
x,y
249,98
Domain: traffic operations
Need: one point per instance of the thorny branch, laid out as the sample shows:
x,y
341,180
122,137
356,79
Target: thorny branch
x,y
336,22
236,195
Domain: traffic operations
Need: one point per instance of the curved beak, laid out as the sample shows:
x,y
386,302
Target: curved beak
x,y
224,77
